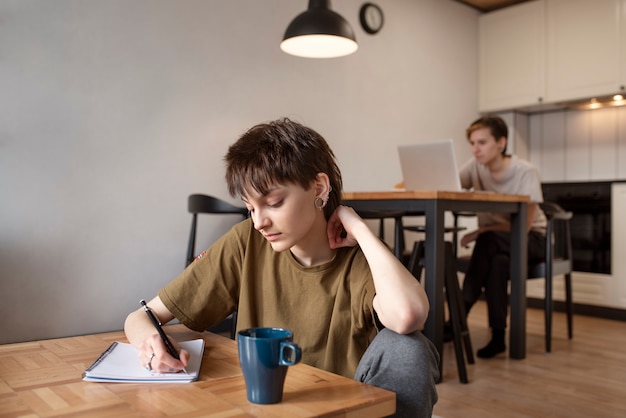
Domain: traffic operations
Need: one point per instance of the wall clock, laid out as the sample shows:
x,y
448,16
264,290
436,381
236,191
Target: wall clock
x,y
371,17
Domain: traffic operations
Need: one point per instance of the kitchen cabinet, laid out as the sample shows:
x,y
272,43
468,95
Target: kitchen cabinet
x,y
539,54
578,145
618,245
511,57
582,49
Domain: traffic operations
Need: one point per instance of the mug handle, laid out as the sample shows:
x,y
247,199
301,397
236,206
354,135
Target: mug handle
x,y
286,358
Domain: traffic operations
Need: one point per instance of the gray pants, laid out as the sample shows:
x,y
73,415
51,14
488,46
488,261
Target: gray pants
x,y
405,364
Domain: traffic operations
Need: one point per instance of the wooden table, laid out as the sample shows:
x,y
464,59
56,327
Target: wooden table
x,y
44,379
433,205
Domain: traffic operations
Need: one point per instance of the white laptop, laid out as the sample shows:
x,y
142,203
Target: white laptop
x,y
429,166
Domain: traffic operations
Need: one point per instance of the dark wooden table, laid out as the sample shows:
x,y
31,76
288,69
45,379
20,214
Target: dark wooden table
x,y
433,205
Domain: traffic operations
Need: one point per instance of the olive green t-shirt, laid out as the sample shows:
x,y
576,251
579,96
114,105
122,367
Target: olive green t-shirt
x,y
328,307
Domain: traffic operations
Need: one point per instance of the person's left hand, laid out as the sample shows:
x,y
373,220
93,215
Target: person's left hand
x,y
340,226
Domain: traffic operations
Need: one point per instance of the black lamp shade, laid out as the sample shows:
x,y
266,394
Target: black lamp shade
x,y
319,33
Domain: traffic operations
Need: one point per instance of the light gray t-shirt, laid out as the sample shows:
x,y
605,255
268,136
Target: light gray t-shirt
x,y
520,178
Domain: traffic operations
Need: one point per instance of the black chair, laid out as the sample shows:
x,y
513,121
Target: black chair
x,y
203,204
456,310
557,262
398,239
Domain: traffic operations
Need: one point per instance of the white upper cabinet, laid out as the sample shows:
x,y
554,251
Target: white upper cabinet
x,y
582,49
511,57
542,53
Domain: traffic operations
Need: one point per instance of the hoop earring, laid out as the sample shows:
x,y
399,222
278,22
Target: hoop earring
x,y
320,202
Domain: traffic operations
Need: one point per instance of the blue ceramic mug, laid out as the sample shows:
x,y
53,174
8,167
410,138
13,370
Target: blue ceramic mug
x,y
264,356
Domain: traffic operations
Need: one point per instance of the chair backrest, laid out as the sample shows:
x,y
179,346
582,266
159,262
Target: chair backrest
x,y
558,242
200,203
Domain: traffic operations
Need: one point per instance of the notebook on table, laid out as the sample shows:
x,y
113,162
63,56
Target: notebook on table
x,y
429,166
120,363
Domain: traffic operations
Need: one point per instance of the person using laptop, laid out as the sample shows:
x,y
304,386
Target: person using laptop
x,y
303,261
493,170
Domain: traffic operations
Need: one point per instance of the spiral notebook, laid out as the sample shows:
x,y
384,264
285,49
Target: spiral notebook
x,y
120,363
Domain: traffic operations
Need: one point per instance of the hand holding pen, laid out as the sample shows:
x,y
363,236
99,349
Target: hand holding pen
x,y
168,344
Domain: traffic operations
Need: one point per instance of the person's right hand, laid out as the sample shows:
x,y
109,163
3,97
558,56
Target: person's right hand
x,y
469,237
161,361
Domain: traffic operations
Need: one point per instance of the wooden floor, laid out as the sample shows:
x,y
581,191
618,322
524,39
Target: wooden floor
x,y
582,377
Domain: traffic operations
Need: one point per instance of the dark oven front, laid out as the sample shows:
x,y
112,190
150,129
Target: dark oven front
x,y
590,203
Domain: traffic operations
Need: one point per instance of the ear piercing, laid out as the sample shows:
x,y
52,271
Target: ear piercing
x,y
320,202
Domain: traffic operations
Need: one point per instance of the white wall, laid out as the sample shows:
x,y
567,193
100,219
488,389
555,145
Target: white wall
x,y
113,112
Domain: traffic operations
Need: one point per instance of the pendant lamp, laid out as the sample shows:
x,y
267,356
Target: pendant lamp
x,y
319,33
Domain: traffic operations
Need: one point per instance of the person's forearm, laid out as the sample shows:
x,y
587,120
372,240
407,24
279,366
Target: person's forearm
x,y
501,227
138,327
401,302
506,226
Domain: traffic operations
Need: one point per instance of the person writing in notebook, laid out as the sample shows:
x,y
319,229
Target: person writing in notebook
x,y
303,261
492,170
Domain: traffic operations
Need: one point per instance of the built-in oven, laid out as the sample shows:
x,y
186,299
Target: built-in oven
x,y
590,203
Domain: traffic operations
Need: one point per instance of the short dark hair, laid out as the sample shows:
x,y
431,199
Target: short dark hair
x,y
281,152
496,126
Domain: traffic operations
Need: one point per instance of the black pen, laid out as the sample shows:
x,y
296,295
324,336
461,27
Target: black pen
x,y
157,325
